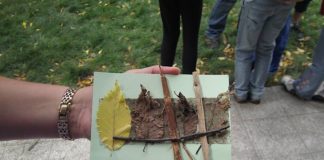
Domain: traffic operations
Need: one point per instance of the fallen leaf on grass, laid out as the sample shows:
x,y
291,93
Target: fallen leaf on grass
x,y
221,58
229,51
20,76
85,81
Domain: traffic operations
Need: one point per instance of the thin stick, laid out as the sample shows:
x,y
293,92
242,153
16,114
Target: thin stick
x,y
201,115
170,116
187,151
181,139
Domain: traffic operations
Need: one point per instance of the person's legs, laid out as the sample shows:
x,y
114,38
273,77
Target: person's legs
x,y
170,15
306,85
191,15
266,43
218,17
245,47
281,43
300,8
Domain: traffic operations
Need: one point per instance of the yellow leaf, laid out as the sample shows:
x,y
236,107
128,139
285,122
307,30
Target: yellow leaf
x,y
24,24
85,81
221,58
100,51
129,48
300,50
113,118
87,51
288,54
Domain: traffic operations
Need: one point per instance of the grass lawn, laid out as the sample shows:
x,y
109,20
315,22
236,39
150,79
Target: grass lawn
x,y
62,41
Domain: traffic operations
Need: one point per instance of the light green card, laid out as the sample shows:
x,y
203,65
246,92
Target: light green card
x,y
212,86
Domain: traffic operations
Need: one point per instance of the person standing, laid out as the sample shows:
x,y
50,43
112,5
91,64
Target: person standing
x,y
189,11
260,23
217,22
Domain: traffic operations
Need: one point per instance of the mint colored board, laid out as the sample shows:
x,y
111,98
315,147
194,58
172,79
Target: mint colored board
x,y
212,85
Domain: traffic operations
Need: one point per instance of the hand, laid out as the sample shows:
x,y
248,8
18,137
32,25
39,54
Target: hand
x,y
156,70
80,117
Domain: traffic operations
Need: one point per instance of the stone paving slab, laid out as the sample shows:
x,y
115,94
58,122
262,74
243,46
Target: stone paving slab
x,y
282,127
45,149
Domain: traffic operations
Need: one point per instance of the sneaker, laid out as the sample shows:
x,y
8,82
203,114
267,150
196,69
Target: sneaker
x,y
287,81
212,43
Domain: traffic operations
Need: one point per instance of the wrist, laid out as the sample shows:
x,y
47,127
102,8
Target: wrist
x,y
80,114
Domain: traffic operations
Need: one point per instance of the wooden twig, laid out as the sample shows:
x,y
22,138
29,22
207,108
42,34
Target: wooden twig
x,y
172,123
181,139
187,151
201,115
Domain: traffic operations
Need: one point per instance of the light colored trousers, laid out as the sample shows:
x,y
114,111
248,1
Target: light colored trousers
x,y
310,81
260,23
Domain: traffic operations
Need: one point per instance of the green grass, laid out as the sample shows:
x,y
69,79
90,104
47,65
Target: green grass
x,y
59,41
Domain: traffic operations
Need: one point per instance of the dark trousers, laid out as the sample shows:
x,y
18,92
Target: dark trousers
x,y
301,6
189,12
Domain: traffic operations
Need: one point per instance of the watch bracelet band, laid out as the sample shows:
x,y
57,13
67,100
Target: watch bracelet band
x,y
63,116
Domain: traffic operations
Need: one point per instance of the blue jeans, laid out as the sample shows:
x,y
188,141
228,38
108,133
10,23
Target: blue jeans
x,y
218,17
217,23
281,43
312,78
260,23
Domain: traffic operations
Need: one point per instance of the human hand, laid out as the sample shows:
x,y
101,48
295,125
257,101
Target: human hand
x,y
156,70
80,115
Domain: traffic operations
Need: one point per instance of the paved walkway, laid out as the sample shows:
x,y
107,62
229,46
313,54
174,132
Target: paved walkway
x,y
280,128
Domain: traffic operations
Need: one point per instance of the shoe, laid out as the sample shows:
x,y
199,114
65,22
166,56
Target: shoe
x,y
319,93
239,100
212,43
319,98
255,101
287,81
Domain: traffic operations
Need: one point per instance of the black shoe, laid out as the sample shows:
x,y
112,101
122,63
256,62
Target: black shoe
x,y
255,101
318,98
239,100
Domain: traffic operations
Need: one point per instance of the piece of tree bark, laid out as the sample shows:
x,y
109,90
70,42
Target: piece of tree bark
x,y
201,115
147,120
170,116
